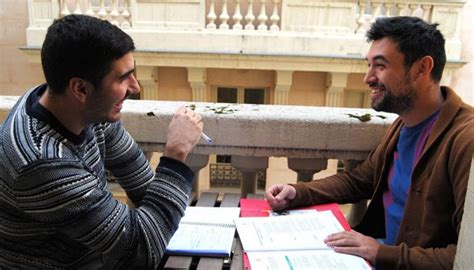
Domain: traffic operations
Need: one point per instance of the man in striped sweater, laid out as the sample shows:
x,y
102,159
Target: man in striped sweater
x,y
56,145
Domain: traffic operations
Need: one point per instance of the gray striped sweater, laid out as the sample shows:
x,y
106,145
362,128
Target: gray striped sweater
x,y
55,209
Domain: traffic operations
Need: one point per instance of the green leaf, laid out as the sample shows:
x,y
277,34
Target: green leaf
x,y
363,118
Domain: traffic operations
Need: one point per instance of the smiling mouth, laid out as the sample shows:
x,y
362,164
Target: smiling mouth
x,y
377,91
119,105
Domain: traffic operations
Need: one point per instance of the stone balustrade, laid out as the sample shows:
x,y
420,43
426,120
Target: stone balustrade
x,y
263,15
277,27
307,136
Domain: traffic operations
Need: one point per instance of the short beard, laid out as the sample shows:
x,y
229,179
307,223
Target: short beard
x,y
394,104
397,104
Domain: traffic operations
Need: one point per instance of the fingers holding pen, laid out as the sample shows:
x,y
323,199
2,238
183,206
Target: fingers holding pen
x,y
183,133
193,115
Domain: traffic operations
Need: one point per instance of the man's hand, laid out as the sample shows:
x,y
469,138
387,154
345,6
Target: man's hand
x,y
354,243
279,196
183,134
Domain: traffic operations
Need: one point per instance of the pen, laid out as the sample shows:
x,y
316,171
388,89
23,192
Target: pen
x,y
206,138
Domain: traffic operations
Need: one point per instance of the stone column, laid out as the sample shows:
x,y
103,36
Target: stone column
x,y
197,80
335,84
148,78
196,162
357,209
283,81
249,167
307,167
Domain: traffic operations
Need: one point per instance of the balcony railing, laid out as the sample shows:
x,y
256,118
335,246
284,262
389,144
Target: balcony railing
x,y
307,136
263,15
268,25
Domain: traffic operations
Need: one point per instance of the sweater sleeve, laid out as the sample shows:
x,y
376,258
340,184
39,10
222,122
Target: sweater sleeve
x,y
347,187
127,163
70,197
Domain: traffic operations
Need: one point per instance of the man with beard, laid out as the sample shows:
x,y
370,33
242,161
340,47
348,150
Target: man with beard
x,y
56,145
416,178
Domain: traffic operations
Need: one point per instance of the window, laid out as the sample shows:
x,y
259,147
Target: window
x,y
241,95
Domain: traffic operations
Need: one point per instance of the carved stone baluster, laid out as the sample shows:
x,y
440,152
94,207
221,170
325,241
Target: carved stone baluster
x,y
65,9
211,16
262,18
357,209
126,15
249,167
307,167
376,11
196,162
102,13
250,17
416,10
237,16
426,12
275,18
388,7
361,20
403,10
114,13
89,11
78,10
224,16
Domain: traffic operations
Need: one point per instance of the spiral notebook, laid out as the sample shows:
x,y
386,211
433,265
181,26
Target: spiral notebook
x,y
205,231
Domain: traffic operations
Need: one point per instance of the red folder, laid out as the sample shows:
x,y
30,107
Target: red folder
x,y
260,208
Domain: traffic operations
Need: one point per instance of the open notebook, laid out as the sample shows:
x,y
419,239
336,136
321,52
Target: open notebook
x,y
205,231
294,241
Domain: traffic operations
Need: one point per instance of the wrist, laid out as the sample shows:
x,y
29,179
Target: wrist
x,y
175,152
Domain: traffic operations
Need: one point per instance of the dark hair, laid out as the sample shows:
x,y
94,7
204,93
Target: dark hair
x,y
415,39
81,46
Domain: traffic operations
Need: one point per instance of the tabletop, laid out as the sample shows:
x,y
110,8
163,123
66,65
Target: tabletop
x,y
210,199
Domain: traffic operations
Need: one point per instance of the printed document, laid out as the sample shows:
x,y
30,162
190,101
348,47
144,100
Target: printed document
x,y
305,260
294,242
291,232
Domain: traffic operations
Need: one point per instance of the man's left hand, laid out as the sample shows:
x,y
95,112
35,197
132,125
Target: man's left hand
x,y
354,243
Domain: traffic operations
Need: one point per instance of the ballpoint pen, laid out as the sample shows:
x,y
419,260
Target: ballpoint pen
x,y
206,138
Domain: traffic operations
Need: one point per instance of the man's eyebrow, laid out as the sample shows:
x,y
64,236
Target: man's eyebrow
x,y
377,57
126,74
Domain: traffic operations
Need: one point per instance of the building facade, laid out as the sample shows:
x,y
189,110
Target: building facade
x,y
272,52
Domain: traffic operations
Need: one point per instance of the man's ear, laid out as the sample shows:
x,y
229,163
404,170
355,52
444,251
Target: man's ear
x,y
80,88
424,67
